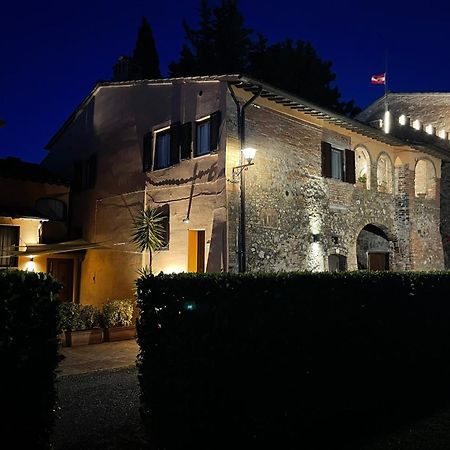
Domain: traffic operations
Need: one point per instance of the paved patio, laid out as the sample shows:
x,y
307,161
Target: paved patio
x,y
91,358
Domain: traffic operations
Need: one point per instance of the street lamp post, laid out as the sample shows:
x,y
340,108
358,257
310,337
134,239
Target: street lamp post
x,y
246,154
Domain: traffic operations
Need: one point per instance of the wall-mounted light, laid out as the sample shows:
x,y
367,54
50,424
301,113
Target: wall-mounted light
x,y
248,153
30,265
185,220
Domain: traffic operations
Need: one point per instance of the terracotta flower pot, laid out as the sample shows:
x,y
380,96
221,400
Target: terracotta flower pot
x,y
119,333
84,337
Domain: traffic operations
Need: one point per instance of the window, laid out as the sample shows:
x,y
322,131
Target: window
x,y
338,164
90,175
207,134
168,143
362,158
51,208
162,150
77,176
85,174
9,242
203,138
425,180
384,174
166,147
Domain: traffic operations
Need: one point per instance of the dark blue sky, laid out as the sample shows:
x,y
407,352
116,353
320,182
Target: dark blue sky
x,y
53,52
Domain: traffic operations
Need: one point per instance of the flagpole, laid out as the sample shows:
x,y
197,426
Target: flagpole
x,y
385,83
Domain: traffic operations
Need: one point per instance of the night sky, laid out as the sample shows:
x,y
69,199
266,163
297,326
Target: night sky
x,y
53,52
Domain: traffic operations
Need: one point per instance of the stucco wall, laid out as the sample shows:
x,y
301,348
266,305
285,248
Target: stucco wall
x,y
113,125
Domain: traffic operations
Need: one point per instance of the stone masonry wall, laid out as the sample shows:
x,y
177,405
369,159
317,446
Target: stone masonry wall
x,y
288,202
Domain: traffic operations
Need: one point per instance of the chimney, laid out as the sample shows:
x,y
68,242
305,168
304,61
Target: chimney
x,y
126,69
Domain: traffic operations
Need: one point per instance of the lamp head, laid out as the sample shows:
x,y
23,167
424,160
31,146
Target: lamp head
x,y
249,154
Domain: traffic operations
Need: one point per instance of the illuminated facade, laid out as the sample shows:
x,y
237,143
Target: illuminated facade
x,y
422,118
33,224
324,193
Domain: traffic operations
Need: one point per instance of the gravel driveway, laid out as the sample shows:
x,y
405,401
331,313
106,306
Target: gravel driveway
x,y
99,410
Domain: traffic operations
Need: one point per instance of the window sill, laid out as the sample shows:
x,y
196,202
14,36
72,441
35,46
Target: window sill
x,y
213,152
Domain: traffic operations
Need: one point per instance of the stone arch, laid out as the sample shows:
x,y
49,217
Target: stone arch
x,y
384,173
363,165
374,246
425,179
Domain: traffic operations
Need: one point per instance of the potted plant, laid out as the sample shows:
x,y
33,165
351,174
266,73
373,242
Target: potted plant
x,y
362,180
80,324
117,320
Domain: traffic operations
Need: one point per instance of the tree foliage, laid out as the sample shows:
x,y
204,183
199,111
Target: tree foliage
x,y
145,55
222,44
148,230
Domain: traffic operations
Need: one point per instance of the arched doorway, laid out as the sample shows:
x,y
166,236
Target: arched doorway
x,y
372,249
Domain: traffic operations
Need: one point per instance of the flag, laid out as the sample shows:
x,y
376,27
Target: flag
x,y
378,79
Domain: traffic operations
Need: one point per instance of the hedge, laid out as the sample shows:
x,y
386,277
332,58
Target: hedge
x,y
269,359
28,356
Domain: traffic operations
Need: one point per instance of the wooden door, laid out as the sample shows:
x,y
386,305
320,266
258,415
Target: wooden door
x,y
62,270
196,251
378,261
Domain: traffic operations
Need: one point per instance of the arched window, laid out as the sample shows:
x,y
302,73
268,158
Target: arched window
x,y
362,163
51,208
384,174
425,180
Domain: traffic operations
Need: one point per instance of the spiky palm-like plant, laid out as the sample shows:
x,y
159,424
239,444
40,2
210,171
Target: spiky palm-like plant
x,y
148,231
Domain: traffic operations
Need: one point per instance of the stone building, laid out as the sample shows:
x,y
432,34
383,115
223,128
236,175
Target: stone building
x,y
421,118
324,192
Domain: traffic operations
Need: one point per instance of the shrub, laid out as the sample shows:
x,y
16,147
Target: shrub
x,y
28,355
267,360
90,317
117,313
73,316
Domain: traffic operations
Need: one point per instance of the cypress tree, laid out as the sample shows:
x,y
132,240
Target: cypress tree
x,y
145,55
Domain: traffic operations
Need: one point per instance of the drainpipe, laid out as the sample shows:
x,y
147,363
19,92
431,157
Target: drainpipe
x,y
240,110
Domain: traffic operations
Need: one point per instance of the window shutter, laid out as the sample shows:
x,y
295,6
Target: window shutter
x,y
77,176
326,159
175,138
92,170
214,132
147,151
350,176
186,140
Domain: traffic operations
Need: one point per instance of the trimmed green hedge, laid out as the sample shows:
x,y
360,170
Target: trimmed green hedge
x,y
273,359
28,357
